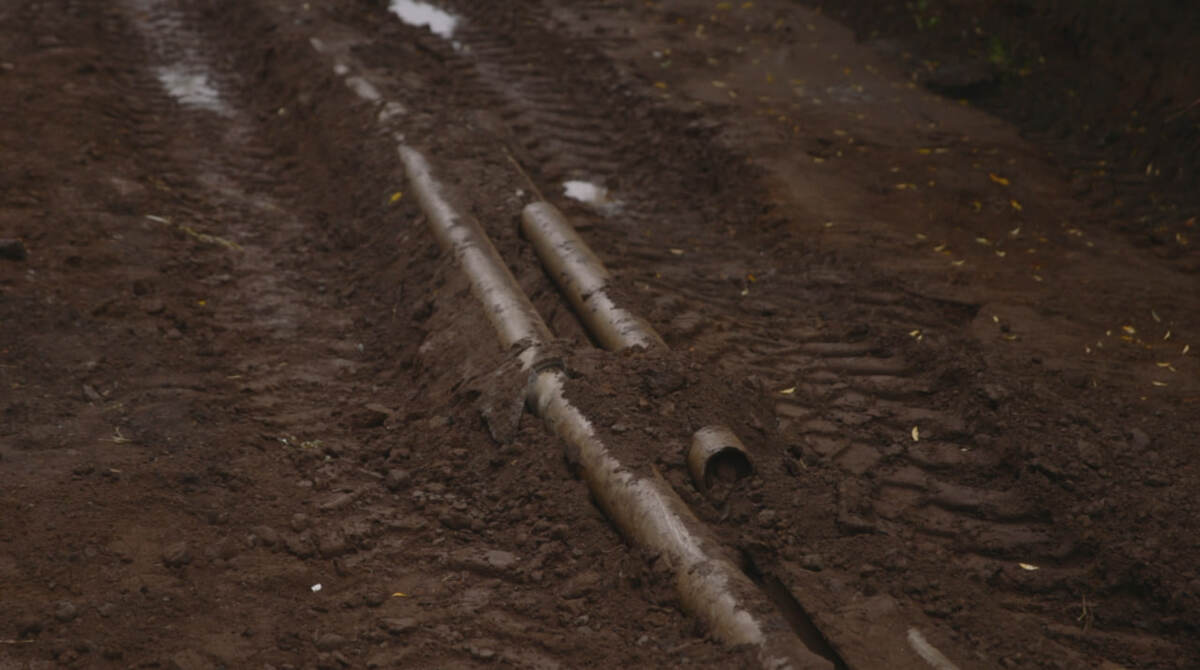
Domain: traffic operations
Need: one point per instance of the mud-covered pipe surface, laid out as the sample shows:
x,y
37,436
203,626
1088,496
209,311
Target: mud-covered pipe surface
x,y
507,307
584,280
644,508
649,512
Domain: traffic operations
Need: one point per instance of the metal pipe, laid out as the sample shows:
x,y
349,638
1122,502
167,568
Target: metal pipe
x,y
512,315
650,513
645,509
717,454
584,280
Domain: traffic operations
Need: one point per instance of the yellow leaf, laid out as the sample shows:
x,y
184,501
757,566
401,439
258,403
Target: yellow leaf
x,y
998,179
660,84
1129,330
788,391
399,594
1015,205
1158,383
1028,566
395,197
916,434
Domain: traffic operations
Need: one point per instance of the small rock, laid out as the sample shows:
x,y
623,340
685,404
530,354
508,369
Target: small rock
x,y
581,585
266,535
299,522
329,642
12,250
177,555
1090,454
481,649
500,560
301,546
813,562
29,627
398,626
995,393
225,548
397,479
1140,439
455,520
372,415
91,394
331,544
338,501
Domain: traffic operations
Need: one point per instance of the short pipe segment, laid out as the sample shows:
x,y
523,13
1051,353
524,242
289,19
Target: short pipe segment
x,y
584,280
717,454
710,585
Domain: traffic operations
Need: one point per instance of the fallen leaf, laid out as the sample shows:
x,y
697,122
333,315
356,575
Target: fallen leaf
x,y
998,179
395,197
1028,566
788,391
916,434
1015,205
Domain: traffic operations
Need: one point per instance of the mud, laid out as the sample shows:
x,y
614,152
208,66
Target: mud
x,y
235,366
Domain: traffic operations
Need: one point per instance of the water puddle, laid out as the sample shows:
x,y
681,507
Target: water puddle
x,y
441,22
587,192
191,87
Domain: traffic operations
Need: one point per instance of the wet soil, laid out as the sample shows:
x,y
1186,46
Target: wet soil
x,y
253,417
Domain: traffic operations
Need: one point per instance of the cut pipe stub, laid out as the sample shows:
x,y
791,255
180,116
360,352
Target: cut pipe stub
x,y
717,455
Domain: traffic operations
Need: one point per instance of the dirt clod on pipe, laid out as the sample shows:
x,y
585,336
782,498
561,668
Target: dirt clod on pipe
x,y
643,507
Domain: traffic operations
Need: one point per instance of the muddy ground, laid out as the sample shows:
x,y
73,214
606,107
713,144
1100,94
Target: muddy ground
x,y
253,417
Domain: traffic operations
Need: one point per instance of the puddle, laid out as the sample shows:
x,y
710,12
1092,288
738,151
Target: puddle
x,y
190,86
441,22
587,192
